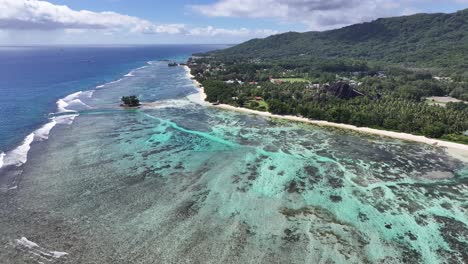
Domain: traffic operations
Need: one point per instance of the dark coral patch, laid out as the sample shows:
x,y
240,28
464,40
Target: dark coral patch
x,y
336,198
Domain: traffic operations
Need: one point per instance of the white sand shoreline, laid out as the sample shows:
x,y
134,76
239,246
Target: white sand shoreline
x,y
199,97
456,150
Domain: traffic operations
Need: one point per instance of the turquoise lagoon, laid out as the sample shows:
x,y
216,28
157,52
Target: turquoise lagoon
x,y
178,182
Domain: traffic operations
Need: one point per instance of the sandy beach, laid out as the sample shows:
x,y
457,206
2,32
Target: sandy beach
x,y
459,151
199,97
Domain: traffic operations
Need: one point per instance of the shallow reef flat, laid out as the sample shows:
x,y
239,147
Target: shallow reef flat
x,y
182,183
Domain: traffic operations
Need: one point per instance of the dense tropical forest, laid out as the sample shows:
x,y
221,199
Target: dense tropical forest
x,y
432,41
407,74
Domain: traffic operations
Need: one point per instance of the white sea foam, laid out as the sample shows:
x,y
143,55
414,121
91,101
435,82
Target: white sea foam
x,y
63,103
19,155
78,103
26,243
172,103
43,132
89,93
2,155
73,101
119,80
69,104
61,106
58,254
72,96
65,119
130,74
36,250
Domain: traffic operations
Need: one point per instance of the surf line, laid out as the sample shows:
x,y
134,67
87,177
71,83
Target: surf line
x,y
193,132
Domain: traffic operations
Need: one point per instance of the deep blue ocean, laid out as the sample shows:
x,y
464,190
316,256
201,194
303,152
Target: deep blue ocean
x,y
32,79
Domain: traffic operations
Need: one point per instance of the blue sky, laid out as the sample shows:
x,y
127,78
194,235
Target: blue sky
x,y
25,22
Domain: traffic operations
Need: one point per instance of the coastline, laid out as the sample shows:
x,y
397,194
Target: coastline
x,y
18,155
200,97
456,150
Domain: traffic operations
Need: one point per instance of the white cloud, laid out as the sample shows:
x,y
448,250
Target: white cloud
x,y
315,14
149,28
244,8
35,15
242,32
42,15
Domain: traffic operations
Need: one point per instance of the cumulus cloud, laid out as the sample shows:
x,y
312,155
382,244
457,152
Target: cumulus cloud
x,y
316,14
149,28
44,16
210,31
271,8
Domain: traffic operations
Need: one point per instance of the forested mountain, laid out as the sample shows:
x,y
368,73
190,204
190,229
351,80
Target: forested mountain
x,y
438,41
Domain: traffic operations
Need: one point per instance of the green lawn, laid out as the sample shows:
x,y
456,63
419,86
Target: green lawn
x,y
442,100
292,80
262,105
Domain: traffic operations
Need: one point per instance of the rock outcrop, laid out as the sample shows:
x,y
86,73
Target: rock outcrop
x,y
343,90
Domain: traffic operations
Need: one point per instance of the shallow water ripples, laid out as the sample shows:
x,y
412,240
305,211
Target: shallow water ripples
x,y
189,184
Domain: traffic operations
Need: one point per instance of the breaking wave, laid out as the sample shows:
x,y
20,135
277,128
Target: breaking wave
x,y
2,155
72,103
67,108
130,74
19,155
43,132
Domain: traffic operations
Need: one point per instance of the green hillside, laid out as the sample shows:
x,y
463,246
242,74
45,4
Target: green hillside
x,y
438,41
